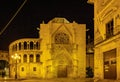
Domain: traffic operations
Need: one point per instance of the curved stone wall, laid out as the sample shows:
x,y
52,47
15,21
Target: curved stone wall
x,y
29,64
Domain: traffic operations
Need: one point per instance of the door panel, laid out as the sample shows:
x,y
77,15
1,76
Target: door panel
x,y
110,64
62,71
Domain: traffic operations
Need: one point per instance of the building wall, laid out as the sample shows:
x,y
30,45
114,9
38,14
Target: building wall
x,y
62,50
4,63
4,55
106,37
63,46
28,63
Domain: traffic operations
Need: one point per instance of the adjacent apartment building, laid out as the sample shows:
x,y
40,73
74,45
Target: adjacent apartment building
x,y
106,38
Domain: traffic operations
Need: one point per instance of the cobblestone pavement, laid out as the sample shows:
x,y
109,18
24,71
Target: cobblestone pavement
x,y
46,80
57,80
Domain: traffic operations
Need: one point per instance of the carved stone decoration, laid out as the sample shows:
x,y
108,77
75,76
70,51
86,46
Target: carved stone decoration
x,y
61,38
56,48
62,43
63,64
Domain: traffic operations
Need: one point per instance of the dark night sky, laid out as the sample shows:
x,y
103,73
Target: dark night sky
x,y
35,11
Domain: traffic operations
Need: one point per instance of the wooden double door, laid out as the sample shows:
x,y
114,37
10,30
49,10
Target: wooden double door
x,y
62,71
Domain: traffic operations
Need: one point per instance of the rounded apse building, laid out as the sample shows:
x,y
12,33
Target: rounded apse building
x,y
25,58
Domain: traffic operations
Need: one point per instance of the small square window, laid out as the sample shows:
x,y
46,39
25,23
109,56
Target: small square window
x,y
34,68
22,69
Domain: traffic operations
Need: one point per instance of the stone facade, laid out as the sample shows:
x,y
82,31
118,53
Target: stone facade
x,y
107,39
29,64
64,49
60,49
4,55
4,63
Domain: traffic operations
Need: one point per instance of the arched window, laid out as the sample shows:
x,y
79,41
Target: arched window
x,y
19,46
61,38
25,45
31,57
25,58
15,47
37,45
37,58
31,45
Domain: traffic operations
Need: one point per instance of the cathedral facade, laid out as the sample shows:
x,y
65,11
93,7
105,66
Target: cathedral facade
x,y
59,52
64,49
106,39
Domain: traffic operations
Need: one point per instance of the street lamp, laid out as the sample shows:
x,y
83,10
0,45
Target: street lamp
x,y
16,57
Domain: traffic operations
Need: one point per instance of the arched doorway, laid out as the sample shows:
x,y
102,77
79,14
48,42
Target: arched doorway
x,y
64,65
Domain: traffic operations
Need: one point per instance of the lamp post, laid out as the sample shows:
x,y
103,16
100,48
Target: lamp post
x,y
15,57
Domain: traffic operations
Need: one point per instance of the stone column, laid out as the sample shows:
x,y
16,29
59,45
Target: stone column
x,y
22,46
33,45
17,46
28,45
28,58
34,57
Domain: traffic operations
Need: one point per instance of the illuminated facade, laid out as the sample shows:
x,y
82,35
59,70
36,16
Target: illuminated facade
x,y
4,55
64,49
106,39
63,46
29,65
4,63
